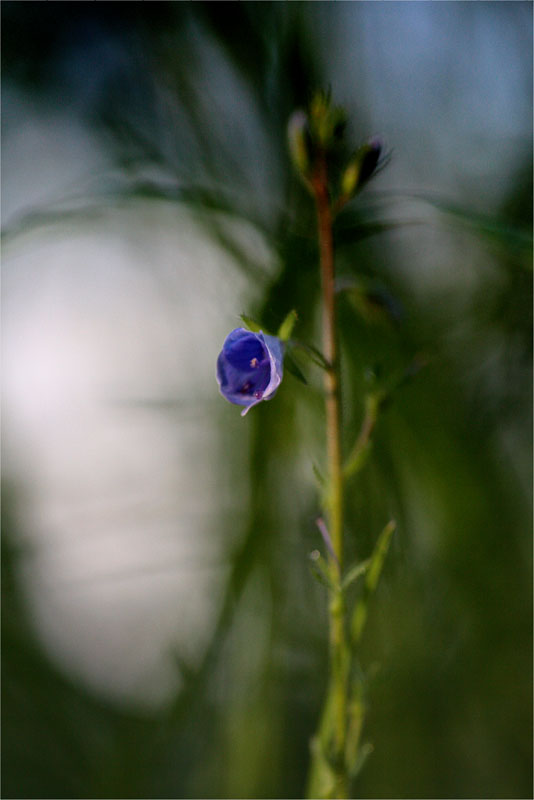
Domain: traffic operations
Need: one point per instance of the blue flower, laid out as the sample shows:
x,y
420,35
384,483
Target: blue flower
x,y
249,367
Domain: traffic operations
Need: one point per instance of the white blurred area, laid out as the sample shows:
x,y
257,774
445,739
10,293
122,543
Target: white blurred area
x,y
110,336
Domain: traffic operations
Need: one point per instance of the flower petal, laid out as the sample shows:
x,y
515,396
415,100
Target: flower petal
x,y
275,349
241,347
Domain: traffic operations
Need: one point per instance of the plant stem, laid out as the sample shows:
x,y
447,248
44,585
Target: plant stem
x,y
338,644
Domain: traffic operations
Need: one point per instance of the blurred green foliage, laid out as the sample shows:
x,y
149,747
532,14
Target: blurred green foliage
x,y
448,647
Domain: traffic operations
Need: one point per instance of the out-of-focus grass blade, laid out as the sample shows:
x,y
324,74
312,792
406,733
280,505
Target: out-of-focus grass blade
x,y
516,239
363,230
201,198
496,229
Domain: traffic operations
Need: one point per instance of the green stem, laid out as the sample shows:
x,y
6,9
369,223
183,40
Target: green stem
x,y
337,699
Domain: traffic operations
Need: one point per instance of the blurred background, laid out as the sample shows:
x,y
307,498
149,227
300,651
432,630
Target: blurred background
x,y
162,635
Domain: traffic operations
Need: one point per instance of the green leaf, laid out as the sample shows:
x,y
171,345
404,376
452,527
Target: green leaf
x,y
358,459
294,369
251,324
373,302
363,230
379,556
310,352
376,562
286,328
363,755
321,480
319,569
362,447
354,573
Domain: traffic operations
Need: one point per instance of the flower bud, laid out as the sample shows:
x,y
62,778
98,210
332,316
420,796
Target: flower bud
x,y
361,166
298,134
371,154
349,179
327,122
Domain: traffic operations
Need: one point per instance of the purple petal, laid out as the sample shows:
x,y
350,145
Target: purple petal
x,y
275,350
241,349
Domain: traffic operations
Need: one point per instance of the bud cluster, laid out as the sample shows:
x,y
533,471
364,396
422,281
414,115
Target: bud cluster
x,y
316,134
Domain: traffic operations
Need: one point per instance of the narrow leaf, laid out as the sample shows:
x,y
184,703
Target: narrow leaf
x,y
376,563
379,556
291,366
251,324
363,230
363,755
373,302
311,352
358,459
321,480
362,447
286,328
354,573
319,569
